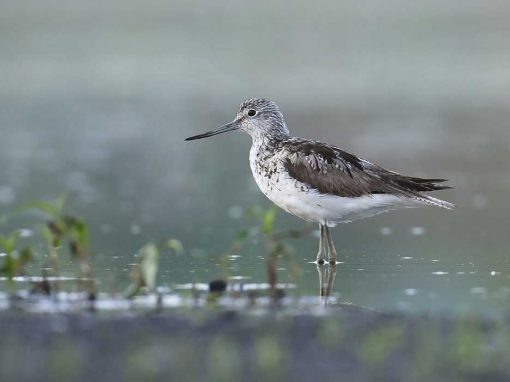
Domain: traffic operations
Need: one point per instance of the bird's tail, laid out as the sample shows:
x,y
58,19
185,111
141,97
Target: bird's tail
x,y
436,202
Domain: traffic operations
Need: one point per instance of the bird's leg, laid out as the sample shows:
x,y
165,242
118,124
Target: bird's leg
x,y
330,280
326,285
322,243
331,246
320,270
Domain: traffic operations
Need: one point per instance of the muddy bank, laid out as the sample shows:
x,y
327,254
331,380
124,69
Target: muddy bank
x,y
350,344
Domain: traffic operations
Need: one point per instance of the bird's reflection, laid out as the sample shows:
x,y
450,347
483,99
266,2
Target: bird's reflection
x,y
327,275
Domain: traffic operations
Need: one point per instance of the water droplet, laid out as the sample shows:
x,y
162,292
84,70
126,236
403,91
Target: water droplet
x,y
135,229
7,195
235,212
239,277
479,201
410,292
417,231
385,231
25,232
439,273
106,228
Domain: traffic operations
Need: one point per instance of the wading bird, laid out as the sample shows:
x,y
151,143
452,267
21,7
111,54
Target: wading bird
x,y
319,182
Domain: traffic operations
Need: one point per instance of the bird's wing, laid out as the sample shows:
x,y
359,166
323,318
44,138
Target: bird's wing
x,y
331,170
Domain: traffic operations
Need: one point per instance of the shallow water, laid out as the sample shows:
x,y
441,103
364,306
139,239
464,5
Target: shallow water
x,y
98,102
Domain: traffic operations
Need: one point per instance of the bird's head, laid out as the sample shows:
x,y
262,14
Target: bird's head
x,y
258,117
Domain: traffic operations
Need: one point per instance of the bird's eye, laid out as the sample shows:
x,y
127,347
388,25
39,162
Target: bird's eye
x,y
252,113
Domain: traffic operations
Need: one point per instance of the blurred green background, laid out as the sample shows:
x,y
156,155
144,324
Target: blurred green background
x,y
97,97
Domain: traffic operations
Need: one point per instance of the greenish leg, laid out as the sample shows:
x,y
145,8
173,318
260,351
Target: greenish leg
x,y
330,280
331,246
320,271
322,244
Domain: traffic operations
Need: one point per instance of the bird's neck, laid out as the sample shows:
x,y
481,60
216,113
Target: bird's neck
x,y
264,142
268,139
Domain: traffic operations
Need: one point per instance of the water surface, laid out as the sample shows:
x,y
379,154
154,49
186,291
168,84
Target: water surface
x,y
98,98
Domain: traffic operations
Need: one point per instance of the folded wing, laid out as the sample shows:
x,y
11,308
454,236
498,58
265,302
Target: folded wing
x,y
331,170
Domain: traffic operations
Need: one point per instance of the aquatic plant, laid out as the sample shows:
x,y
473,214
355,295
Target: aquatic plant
x,y
61,230
13,260
261,224
144,272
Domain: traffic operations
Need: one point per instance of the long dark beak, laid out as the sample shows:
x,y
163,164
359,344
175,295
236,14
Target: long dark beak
x,y
223,129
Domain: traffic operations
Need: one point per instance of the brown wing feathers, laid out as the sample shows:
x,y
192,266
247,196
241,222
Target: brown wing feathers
x,y
331,170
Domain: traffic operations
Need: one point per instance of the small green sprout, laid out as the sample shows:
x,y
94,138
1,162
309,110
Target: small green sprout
x,y
14,261
144,272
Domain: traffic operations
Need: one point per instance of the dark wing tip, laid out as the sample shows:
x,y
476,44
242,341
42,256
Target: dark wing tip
x,y
419,184
427,180
433,184
437,188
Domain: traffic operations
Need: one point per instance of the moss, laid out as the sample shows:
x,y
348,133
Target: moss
x,y
270,358
466,347
64,361
379,344
330,332
224,360
428,349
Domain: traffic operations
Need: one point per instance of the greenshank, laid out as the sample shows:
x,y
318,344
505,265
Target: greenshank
x,y
319,182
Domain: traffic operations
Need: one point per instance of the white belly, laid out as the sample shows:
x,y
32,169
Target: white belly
x,y
298,199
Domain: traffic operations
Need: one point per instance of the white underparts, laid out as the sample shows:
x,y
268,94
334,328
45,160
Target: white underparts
x,y
307,203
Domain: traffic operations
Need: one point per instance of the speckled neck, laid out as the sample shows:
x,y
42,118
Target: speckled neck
x,y
266,142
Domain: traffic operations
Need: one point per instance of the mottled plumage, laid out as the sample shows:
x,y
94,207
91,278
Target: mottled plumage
x,y
331,170
320,182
